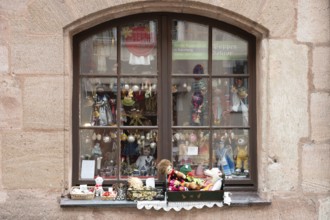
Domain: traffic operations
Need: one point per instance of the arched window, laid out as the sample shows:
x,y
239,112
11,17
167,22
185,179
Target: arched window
x,y
154,86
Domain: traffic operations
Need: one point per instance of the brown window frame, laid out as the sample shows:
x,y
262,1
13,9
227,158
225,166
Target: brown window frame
x,y
164,61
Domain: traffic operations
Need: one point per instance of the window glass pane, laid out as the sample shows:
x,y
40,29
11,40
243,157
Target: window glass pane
x,y
230,106
98,53
139,48
229,54
191,147
138,153
99,146
190,101
231,152
98,101
189,47
139,101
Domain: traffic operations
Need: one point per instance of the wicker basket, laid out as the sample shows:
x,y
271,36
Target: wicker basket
x,y
82,196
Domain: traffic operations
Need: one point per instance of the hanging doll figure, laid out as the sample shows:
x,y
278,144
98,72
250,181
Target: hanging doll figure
x,y
239,95
145,161
197,103
101,100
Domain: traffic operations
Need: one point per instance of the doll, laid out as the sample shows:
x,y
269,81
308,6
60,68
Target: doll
x,y
242,155
104,116
96,151
145,161
176,180
239,95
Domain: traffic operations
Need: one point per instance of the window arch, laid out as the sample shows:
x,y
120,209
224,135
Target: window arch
x,y
164,85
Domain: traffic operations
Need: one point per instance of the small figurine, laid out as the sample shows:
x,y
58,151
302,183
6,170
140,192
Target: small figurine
x,y
145,161
96,151
98,186
242,155
175,179
215,181
104,115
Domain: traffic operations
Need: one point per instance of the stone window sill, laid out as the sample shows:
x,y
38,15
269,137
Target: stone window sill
x,y
237,199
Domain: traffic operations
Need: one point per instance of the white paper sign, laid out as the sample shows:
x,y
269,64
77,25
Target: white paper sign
x,y
87,169
150,182
192,150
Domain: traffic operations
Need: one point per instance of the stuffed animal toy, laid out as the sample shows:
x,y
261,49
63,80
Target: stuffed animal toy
x,y
98,186
175,179
242,155
214,179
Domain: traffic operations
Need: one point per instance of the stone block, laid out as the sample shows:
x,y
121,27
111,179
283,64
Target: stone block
x,y
32,160
36,54
321,68
10,102
320,116
4,30
279,17
4,61
313,21
324,208
315,165
49,17
287,111
43,102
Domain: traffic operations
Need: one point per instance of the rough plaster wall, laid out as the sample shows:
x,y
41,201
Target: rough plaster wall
x,y
293,74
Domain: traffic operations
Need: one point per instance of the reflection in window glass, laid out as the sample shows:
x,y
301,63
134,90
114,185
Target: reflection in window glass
x,y
138,153
101,147
231,152
229,53
98,53
230,102
139,48
189,47
138,101
191,147
98,101
190,101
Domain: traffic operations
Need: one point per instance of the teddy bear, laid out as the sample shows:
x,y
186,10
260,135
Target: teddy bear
x,y
214,181
242,155
176,180
98,186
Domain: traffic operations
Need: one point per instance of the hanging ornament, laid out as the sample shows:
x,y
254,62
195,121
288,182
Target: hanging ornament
x,y
135,88
188,88
94,136
106,138
130,138
99,137
152,145
192,138
88,139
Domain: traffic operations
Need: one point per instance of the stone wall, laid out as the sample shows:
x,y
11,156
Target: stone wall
x,y
293,74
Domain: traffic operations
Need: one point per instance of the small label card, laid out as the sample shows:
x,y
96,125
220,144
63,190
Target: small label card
x,y
87,169
192,150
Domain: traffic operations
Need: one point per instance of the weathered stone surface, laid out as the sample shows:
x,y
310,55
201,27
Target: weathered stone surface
x,y
4,30
313,21
288,116
10,102
321,68
315,163
4,61
324,208
36,54
49,16
43,102
320,116
279,17
13,6
32,160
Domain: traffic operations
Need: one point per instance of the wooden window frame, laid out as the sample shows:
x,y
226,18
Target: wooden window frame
x,y
164,61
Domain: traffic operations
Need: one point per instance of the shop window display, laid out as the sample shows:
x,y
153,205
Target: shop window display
x,y
146,93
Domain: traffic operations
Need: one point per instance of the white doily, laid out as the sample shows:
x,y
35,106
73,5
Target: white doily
x,y
177,206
